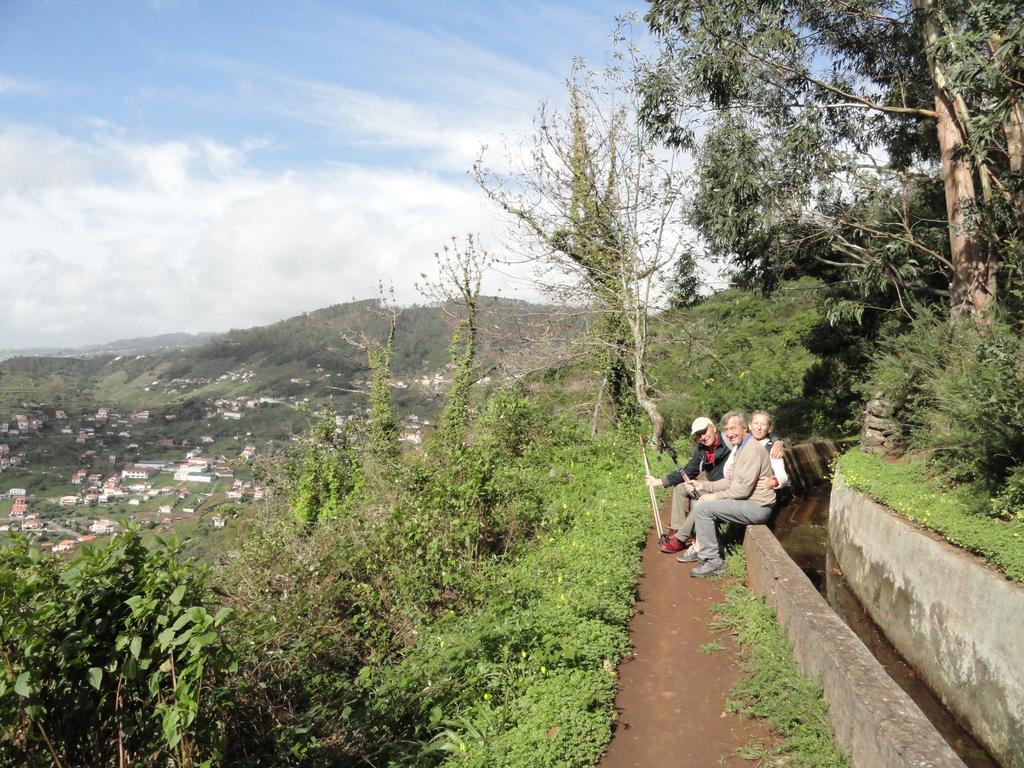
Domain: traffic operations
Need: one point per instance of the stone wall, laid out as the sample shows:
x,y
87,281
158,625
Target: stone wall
x,y
879,434
807,464
959,622
875,722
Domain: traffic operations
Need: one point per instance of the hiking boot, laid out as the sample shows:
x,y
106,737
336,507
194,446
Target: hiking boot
x,y
689,556
672,545
708,568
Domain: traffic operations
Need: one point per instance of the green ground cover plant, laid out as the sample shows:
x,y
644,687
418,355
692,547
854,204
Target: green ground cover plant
x,y
527,676
484,645
772,686
914,492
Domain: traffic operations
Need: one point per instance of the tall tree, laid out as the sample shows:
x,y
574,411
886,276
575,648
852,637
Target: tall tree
x,y
598,203
817,109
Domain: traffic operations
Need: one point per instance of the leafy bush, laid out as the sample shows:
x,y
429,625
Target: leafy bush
x,y
1009,504
378,639
956,393
110,657
325,474
741,350
910,490
525,675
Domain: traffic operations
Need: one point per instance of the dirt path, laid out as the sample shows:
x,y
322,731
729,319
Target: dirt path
x,y
672,695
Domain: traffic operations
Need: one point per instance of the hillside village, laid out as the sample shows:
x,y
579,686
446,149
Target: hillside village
x,y
76,477
108,489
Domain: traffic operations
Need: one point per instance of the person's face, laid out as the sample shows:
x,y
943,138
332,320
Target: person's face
x,y
760,426
707,437
735,431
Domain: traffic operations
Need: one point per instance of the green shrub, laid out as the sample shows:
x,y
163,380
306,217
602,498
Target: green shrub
x,y
956,393
740,349
363,648
325,475
524,676
1009,504
112,652
913,492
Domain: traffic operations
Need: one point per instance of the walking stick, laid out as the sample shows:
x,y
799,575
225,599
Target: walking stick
x,y
654,500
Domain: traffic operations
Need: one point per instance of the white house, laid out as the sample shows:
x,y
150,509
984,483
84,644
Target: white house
x,y
138,472
102,527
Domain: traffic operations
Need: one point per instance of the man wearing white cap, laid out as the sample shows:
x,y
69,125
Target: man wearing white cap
x,y
709,455
746,497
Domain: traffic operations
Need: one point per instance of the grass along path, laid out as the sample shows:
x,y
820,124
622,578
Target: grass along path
x,y
772,687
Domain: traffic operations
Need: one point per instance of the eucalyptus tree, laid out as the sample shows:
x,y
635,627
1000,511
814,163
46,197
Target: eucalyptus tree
x,y
598,203
884,136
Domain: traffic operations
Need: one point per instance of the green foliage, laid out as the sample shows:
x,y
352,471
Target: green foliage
x,y
956,393
114,650
511,423
326,473
1009,503
802,94
913,492
772,686
461,271
383,636
739,349
525,675
382,426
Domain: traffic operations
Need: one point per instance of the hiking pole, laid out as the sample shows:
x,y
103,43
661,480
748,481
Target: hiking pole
x,y
654,500
667,447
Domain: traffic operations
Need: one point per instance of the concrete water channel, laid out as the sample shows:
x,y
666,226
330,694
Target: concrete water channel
x,y
801,527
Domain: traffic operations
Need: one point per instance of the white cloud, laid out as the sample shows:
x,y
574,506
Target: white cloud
x,y
15,85
107,238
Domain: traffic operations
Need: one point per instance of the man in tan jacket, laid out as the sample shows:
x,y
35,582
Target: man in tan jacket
x,y
736,499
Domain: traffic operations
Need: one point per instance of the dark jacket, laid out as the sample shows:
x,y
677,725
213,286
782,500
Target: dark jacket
x,y
713,464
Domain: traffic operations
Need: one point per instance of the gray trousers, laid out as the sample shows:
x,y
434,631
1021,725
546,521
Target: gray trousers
x,y
706,513
682,516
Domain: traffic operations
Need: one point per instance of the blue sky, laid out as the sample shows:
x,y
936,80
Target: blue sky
x,y
205,165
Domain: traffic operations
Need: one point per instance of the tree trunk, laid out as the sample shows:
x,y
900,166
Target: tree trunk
x,y
974,273
638,325
973,289
1015,150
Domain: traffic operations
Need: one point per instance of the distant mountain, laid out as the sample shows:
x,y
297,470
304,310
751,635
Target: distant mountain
x,y
315,355
165,342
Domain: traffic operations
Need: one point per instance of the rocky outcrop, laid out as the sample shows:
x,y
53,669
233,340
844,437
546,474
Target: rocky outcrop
x,y
880,434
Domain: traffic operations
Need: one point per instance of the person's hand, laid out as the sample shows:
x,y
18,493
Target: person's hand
x,y
691,487
728,473
778,449
765,483
652,481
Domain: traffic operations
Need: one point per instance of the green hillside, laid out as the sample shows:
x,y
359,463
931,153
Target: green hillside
x,y
307,356
741,350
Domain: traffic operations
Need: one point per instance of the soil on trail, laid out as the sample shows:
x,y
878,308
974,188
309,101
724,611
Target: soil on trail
x,y
671,701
